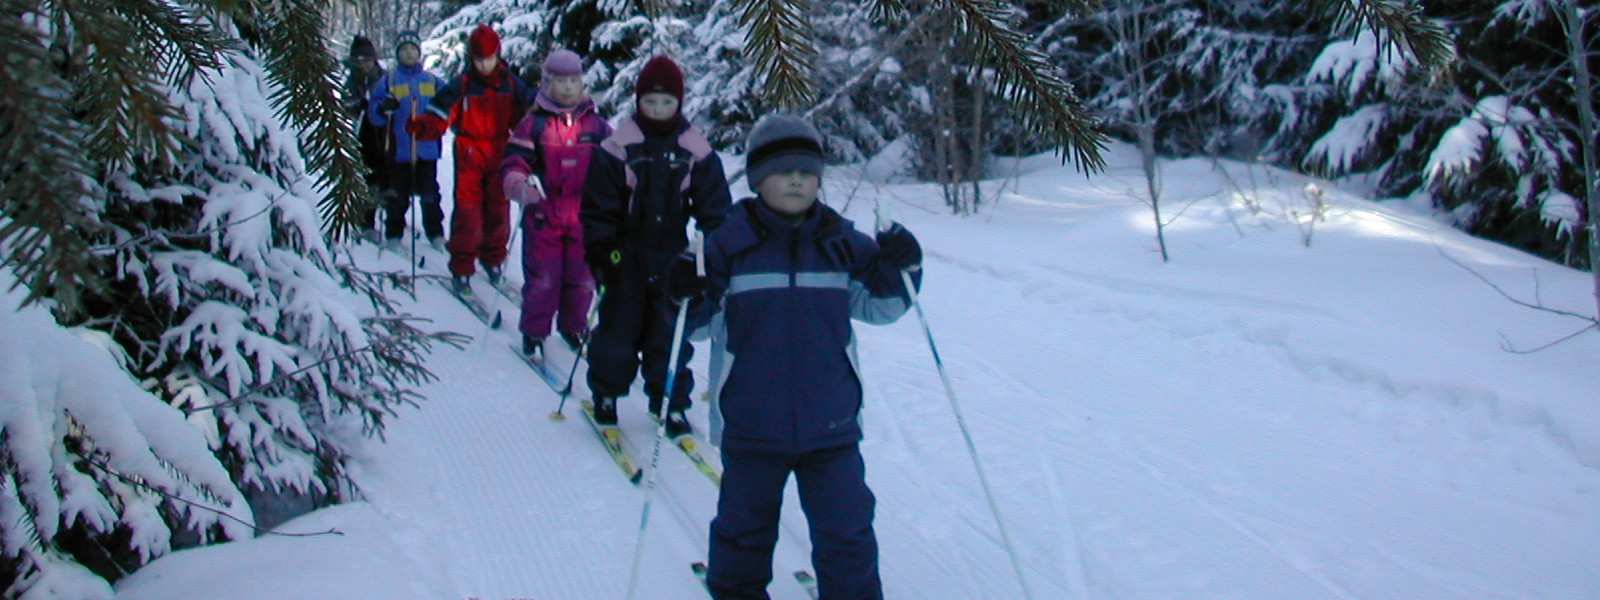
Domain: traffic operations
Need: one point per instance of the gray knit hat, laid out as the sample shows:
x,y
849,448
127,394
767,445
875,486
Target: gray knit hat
x,y
780,144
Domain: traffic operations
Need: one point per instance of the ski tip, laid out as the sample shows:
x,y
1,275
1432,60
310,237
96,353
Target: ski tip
x,y
699,568
495,324
638,475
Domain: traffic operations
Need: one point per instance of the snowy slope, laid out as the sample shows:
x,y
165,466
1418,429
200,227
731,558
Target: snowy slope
x,y
1255,420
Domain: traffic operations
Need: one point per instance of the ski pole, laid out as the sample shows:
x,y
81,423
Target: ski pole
x,y
411,192
494,308
588,336
884,222
661,419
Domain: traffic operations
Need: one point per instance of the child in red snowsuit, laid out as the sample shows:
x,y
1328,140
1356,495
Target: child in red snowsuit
x,y
482,105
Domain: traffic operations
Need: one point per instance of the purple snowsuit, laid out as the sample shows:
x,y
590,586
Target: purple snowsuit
x,y
554,143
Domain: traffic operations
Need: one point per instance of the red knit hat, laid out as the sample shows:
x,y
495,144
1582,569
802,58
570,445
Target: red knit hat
x,y
660,75
484,42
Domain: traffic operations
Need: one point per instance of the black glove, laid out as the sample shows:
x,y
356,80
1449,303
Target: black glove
x,y
389,105
898,248
684,283
605,262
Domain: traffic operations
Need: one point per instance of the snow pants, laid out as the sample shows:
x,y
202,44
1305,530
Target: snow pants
x,y
636,318
420,178
556,280
839,510
479,226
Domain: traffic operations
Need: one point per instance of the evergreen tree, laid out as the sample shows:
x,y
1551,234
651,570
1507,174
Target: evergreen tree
x,y
169,150
1496,143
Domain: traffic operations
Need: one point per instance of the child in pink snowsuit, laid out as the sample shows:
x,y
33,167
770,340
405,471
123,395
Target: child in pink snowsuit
x,y
546,164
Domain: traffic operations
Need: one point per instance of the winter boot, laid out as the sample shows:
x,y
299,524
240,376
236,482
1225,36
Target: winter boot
x,y
532,347
655,407
605,410
678,424
573,340
461,284
494,273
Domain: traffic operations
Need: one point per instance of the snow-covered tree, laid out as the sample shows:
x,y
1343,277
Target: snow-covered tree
x,y
189,189
1496,143
82,91
92,468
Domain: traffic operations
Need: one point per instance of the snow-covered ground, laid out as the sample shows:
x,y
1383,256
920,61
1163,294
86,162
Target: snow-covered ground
x,y
1255,420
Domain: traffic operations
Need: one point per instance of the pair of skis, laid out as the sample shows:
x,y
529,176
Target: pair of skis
x,y
804,577
492,317
611,436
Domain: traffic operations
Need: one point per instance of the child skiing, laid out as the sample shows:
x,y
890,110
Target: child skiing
x,y
362,72
397,98
784,277
656,171
546,165
482,104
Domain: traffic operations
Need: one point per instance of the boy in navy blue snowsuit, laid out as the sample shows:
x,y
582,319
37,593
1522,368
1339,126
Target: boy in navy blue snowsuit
x,y
784,277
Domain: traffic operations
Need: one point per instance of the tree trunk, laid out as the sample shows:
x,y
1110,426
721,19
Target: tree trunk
x,y
1577,55
1147,160
979,152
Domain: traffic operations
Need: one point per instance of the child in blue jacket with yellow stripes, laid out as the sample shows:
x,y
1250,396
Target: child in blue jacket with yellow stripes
x,y
785,275
400,95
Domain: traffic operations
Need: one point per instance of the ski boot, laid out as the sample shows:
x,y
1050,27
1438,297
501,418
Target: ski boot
x,y
532,347
678,424
573,340
605,410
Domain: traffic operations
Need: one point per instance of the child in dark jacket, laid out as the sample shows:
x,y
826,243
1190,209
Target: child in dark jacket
x,y
653,174
784,277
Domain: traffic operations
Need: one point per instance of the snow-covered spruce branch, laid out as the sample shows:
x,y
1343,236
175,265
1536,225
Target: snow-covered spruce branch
x,y
413,343
198,234
1397,23
139,483
289,36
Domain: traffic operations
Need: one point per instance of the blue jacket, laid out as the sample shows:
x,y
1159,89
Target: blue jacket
x,y
414,87
784,371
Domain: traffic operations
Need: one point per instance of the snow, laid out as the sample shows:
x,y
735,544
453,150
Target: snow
x,y
1357,61
1256,420
57,385
1342,146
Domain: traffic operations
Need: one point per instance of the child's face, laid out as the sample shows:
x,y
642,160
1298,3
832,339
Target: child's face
x,y
567,89
409,55
485,65
657,106
789,194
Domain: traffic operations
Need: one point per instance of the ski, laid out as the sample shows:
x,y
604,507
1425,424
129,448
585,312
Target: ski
x,y
511,293
540,368
475,305
690,446
611,437
808,582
